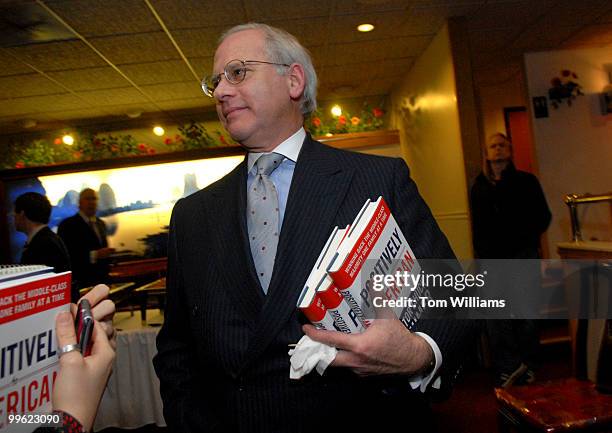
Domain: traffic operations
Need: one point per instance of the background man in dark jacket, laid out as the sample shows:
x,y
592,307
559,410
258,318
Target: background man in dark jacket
x,y
43,247
509,214
85,237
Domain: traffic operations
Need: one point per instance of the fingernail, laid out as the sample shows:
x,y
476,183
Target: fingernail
x,y
64,317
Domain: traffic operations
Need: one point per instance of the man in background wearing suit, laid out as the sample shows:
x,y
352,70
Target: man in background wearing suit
x,y
43,247
236,268
85,237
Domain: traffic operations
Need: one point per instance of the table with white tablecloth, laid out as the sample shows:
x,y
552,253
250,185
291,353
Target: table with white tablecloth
x,y
132,397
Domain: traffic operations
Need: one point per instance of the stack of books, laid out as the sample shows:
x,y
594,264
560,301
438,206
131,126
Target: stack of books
x,y
354,278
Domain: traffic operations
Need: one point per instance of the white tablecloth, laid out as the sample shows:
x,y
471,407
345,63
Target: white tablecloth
x,y
132,397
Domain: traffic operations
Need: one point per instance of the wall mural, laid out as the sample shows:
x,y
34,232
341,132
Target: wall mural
x,y
135,202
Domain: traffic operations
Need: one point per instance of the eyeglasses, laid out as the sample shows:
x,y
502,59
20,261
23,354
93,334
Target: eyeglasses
x,y
234,71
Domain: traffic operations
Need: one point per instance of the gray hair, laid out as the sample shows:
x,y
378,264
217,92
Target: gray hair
x,y
283,47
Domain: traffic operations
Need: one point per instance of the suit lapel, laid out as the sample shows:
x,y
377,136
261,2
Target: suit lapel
x,y
318,187
231,244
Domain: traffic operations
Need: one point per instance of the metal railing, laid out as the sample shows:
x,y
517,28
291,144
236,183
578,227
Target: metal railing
x,y
573,200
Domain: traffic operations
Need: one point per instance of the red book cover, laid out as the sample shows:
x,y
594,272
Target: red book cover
x,y
29,304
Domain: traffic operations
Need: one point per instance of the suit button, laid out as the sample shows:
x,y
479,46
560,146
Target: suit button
x,y
194,311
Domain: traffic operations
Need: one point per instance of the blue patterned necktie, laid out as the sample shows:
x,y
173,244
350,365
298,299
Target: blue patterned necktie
x,y
263,218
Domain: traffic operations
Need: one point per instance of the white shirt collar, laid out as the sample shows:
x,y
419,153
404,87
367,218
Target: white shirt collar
x,y
290,149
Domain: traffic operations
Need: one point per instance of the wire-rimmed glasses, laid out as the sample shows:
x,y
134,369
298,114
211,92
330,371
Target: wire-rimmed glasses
x,y
234,71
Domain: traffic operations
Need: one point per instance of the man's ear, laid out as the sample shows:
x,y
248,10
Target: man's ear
x,y
297,80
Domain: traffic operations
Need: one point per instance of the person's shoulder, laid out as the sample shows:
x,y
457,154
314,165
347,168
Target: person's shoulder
x,y
480,180
46,233
225,185
526,176
349,157
47,237
481,187
70,221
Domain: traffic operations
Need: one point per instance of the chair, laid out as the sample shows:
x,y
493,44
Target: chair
x,y
567,405
573,404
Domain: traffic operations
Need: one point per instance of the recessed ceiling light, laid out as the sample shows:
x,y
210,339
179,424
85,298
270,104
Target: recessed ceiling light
x,y
365,28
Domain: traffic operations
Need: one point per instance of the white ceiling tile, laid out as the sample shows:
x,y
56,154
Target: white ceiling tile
x,y
137,48
198,42
90,78
106,17
272,10
158,72
27,85
170,91
124,95
57,56
512,15
190,14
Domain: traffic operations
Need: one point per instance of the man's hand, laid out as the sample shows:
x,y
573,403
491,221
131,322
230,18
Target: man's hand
x,y
102,309
386,347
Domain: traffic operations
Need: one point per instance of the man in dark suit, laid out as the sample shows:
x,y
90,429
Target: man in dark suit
x,y
85,237
231,310
43,247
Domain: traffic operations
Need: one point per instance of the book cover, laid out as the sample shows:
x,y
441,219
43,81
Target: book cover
x,y
29,303
375,246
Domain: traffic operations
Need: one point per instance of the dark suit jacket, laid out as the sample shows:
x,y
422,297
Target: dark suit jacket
x,y
222,351
80,239
508,217
46,248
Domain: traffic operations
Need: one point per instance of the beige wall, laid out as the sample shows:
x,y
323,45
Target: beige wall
x,y
425,111
574,144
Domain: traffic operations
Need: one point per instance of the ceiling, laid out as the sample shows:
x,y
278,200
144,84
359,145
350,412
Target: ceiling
x,y
81,61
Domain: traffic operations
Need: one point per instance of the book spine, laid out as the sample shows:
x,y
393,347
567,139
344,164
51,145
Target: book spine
x,y
345,319
318,315
346,274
